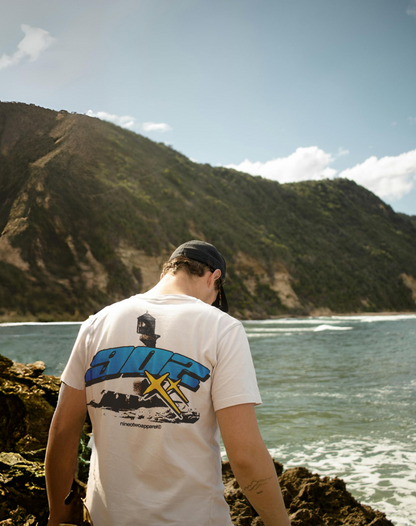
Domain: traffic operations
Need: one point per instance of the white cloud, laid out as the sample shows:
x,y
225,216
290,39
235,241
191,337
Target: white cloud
x,y
388,177
125,121
129,122
35,41
411,10
153,126
302,165
412,121
342,152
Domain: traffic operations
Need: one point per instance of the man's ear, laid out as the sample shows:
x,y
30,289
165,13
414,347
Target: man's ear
x,y
216,274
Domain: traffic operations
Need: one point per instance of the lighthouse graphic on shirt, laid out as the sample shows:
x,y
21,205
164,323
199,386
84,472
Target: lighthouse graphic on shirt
x,y
156,382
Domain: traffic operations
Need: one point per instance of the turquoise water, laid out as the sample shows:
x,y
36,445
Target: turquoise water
x,y
49,342
339,398
338,395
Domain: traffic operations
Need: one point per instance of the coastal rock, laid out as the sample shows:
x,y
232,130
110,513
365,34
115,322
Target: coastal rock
x,y
311,500
27,401
22,488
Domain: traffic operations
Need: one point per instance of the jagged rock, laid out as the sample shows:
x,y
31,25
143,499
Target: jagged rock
x,y
311,500
19,517
321,500
22,486
27,401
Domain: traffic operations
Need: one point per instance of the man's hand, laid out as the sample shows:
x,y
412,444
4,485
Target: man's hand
x,y
251,463
62,450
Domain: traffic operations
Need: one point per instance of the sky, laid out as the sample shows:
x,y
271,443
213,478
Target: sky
x,y
287,89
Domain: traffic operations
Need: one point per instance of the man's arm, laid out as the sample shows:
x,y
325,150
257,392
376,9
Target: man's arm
x,y
251,463
62,450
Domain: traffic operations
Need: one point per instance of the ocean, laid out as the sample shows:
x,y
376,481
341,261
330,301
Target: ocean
x,y
338,394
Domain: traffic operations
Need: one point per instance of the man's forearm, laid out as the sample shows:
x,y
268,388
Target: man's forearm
x,y
62,451
258,480
251,463
60,468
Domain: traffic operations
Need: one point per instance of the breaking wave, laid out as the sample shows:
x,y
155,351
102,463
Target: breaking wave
x,y
380,473
36,323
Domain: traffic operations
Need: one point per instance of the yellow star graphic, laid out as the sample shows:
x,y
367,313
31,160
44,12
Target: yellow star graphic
x,y
156,385
174,386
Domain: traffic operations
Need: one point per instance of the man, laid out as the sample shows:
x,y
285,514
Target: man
x,y
156,401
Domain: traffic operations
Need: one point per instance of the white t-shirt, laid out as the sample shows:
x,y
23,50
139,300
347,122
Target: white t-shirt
x,y
155,370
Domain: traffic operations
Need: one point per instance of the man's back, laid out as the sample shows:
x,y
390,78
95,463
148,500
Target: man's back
x,y
160,373
156,368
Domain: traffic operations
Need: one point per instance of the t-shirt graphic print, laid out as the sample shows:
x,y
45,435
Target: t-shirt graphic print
x,y
159,378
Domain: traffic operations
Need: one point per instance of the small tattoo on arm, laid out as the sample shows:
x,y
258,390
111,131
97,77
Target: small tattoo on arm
x,y
256,484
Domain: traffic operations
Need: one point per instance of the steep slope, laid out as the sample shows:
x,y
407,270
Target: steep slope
x,y
89,212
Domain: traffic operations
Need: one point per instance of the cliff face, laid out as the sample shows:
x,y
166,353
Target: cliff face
x,y
27,403
89,212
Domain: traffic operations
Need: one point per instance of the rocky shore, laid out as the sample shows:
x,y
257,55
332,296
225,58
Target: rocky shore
x,y
27,401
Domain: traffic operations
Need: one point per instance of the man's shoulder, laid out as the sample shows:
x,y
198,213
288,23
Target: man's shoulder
x,y
217,317
111,309
139,302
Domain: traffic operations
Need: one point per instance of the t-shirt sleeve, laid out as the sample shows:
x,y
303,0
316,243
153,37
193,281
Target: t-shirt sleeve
x,y
234,379
74,372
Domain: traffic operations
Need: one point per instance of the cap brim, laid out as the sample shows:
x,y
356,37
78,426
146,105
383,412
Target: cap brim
x,y
223,303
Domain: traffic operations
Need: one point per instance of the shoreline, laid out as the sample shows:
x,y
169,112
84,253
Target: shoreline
x,y
22,320
340,314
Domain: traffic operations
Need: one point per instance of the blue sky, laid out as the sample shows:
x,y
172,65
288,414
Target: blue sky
x,y
287,89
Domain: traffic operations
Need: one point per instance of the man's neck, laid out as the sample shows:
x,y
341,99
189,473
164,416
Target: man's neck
x,y
183,284
179,283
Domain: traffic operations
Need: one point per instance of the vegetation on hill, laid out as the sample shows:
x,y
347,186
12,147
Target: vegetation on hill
x,y
89,210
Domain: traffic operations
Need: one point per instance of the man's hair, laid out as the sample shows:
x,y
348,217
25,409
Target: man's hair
x,y
190,266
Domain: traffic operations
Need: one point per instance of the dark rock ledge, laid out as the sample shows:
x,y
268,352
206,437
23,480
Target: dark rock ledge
x,y
27,401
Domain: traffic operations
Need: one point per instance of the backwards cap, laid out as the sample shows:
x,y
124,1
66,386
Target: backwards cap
x,y
209,255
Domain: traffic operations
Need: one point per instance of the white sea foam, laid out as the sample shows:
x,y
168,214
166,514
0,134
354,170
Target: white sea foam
x,y
264,335
295,321
272,331
333,320
338,396
370,468
331,328
374,318
288,330
47,323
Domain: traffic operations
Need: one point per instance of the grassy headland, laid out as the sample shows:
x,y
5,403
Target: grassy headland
x,y
89,212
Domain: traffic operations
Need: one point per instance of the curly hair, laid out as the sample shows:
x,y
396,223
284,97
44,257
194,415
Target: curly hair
x,y
191,267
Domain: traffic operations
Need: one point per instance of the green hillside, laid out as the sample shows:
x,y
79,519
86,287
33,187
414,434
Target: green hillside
x,y
89,212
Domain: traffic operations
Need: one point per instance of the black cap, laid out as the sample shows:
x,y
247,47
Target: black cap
x,y
209,255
